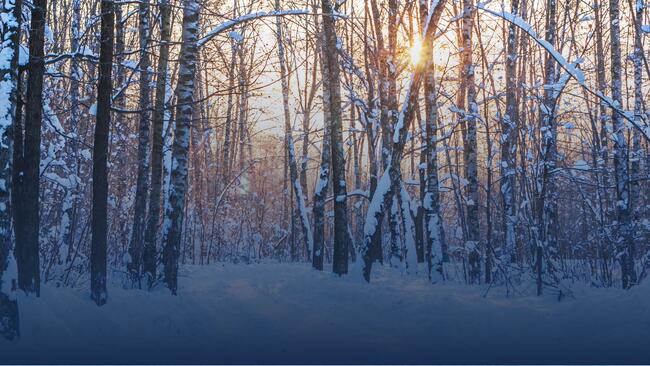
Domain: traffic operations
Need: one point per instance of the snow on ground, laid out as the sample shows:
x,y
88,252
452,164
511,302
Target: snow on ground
x,y
288,313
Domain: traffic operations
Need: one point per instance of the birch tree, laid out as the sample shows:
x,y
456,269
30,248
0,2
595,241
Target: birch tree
x,y
467,99
9,54
173,221
390,181
158,117
548,135
508,140
624,240
72,193
291,151
433,221
637,153
137,234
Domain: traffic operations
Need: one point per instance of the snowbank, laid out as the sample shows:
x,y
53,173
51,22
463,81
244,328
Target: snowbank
x,y
284,313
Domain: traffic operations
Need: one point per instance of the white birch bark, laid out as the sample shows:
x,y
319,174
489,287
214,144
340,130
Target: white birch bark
x,y
174,211
624,241
142,181
508,141
9,46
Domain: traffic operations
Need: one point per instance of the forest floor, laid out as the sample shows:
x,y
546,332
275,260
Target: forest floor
x,y
288,313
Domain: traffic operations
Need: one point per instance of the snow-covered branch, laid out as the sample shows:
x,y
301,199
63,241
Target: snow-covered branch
x,y
248,17
570,68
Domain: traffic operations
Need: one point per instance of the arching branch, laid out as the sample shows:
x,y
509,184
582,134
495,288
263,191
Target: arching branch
x,y
246,18
571,69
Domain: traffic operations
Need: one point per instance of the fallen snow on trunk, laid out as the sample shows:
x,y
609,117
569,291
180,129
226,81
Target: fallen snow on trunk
x,y
287,313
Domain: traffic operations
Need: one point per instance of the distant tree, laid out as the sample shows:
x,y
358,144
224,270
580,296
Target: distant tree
x,y
297,187
323,179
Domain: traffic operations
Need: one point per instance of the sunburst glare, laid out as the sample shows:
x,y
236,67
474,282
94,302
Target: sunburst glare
x,y
416,51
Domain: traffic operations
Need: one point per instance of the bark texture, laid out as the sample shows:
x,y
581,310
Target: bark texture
x,y
174,212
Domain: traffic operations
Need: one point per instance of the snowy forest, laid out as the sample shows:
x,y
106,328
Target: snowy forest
x,y
496,149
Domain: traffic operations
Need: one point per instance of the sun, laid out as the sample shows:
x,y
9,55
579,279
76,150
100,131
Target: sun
x,y
416,51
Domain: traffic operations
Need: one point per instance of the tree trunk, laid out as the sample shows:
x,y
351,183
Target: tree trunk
x,y
9,55
624,241
342,238
470,145
173,223
391,104
100,157
322,182
390,182
545,205
431,203
137,234
72,192
602,87
229,115
18,172
508,140
28,260
291,151
242,108
637,153
375,252
158,121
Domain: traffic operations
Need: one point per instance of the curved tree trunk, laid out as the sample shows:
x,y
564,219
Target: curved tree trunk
x,y
291,150
390,182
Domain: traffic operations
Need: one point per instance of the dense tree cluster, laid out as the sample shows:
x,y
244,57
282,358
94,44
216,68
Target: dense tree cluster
x,y
503,143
